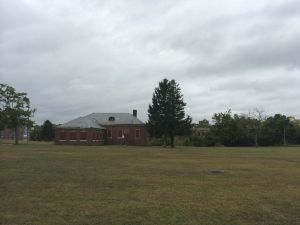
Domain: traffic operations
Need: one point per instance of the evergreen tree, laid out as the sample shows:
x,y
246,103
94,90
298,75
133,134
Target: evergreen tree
x,y
36,133
166,114
47,132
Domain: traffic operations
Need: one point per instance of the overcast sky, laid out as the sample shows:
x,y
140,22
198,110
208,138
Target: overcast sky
x,y
75,57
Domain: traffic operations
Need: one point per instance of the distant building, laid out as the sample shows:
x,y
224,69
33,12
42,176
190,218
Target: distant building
x,y
103,128
202,128
8,133
294,120
201,131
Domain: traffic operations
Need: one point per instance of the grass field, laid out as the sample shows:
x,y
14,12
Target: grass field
x,y
48,184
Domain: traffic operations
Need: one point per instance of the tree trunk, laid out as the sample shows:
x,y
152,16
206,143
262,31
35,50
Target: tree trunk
x,y
165,140
27,135
256,140
284,137
16,136
172,140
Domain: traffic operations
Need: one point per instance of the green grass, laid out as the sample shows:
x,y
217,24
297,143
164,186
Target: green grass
x,y
48,184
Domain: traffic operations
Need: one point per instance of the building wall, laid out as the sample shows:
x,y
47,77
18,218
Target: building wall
x,y
79,136
113,135
201,131
10,133
126,134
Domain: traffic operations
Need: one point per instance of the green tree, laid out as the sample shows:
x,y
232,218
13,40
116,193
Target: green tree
x,y
230,130
15,109
166,116
256,119
36,133
47,131
1,119
203,123
278,130
223,129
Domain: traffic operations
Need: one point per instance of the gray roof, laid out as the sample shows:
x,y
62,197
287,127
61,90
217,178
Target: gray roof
x,y
98,120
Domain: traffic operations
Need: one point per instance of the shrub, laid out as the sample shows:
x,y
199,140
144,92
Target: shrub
x,y
156,142
183,141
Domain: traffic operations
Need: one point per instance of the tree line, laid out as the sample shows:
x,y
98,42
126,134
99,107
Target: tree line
x,y
247,130
167,120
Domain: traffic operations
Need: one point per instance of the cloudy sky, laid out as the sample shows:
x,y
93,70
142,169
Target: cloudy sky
x,y
75,57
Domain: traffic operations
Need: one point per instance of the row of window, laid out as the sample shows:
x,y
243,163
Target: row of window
x,y
122,134
96,136
82,136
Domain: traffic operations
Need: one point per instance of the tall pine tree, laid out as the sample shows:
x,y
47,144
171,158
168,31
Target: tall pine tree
x,y
166,114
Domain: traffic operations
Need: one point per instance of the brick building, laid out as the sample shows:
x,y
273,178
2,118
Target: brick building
x,y
103,128
10,133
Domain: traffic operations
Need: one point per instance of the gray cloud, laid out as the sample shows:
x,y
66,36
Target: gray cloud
x,y
77,57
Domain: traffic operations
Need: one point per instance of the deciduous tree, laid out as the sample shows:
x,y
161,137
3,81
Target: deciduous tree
x,y
15,109
278,130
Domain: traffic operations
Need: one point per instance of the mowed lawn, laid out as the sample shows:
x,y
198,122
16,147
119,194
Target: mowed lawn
x,y
49,184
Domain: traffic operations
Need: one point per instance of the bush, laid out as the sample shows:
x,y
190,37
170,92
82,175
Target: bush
x,y
183,141
196,141
156,142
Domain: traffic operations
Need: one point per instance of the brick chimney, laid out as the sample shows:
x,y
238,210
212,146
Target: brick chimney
x,y
134,113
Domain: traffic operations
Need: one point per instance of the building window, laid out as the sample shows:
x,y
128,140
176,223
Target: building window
x,y
62,135
83,135
111,118
73,136
109,133
120,134
137,133
95,136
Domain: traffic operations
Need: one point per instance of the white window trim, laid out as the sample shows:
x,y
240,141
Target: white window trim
x,y
94,139
86,136
60,138
76,136
122,134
